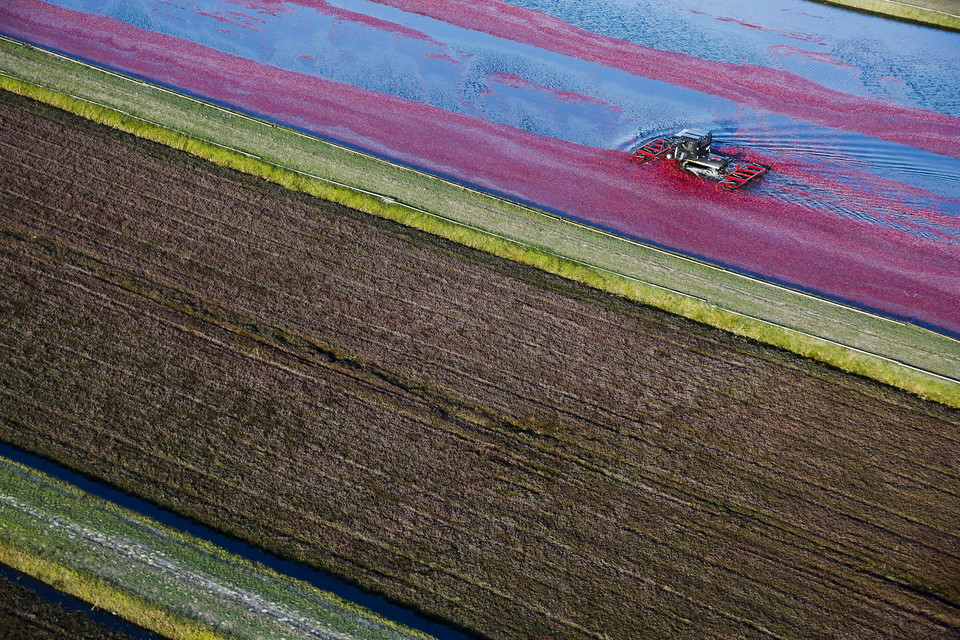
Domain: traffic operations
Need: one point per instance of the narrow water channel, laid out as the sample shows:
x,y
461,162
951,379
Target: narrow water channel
x,y
317,579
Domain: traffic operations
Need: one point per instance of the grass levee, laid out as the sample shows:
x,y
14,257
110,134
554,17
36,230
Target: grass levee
x,y
101,594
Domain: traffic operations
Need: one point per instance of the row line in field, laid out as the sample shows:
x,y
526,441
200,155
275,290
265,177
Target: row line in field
x,y
367,339
813,536
952,18
728,568
916,6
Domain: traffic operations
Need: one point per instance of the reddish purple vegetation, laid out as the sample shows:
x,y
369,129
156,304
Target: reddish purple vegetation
x,y
515,81
276,6
236,20
751,85
266,7
795,35
441,56
867,264
816,56
742,23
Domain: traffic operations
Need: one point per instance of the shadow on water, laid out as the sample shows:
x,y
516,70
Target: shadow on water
x,y
297,570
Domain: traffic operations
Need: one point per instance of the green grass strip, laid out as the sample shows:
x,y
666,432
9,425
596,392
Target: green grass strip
x,y
160,578
935,13
105,596
900,354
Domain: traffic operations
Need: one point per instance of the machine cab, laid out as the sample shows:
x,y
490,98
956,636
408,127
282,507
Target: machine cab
x,y
694,144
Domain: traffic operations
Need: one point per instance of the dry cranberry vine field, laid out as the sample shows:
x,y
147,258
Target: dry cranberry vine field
x,y
496,447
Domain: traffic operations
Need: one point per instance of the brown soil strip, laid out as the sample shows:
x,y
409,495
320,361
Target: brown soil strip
x,y
497,447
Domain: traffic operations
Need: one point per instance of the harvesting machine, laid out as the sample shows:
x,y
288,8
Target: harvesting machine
x,y
690,149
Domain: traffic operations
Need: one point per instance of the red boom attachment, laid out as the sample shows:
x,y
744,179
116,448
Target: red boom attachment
x,y
650,151
693,155
743,174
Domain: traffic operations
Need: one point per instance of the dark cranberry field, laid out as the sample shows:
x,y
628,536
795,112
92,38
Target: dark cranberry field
x,y
504,450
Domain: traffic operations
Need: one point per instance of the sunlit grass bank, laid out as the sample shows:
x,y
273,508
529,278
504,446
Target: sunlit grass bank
x,y
896,353
103,595
938,13
157,577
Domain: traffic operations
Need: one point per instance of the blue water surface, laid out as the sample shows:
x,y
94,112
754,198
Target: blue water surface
x,y
453,72
845,50
418,58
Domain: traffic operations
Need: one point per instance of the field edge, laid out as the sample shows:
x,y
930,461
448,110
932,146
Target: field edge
x,y
847,358
903,11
